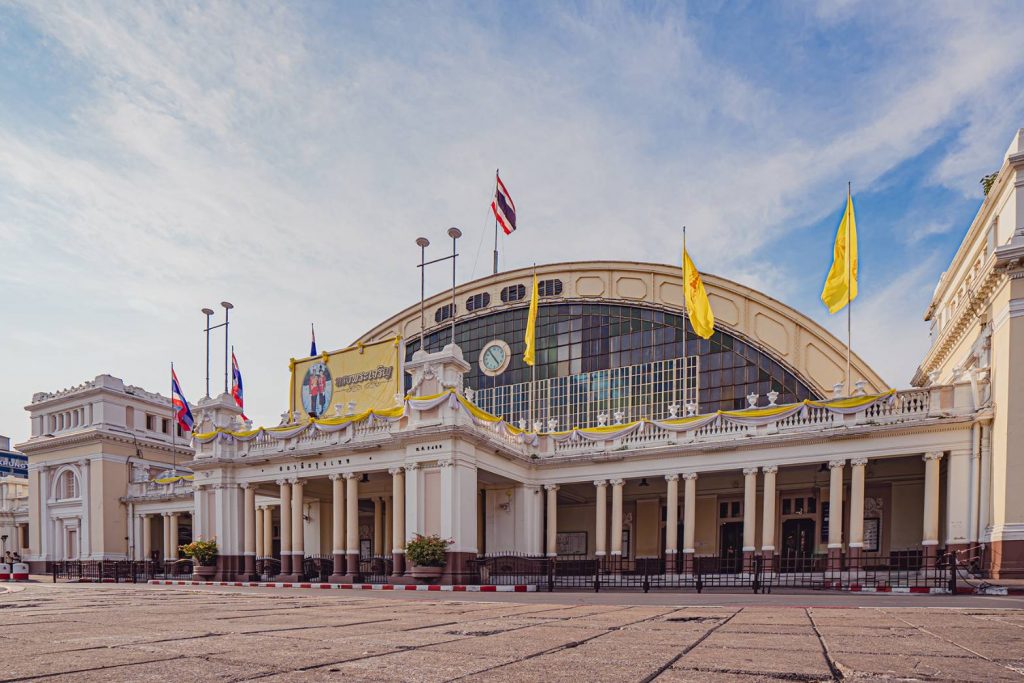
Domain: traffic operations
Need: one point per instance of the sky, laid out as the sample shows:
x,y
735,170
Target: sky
x,y
156,159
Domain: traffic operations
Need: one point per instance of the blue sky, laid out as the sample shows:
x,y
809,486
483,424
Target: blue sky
x,y
155,160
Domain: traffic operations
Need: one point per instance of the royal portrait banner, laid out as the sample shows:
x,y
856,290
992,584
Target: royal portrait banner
x,y
359,378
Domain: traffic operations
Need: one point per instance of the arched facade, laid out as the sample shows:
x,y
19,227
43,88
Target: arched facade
x,y
790,352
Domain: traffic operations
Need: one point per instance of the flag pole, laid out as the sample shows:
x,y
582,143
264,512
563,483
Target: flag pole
x,y
496,175
174,429
686,350
533,366
849,294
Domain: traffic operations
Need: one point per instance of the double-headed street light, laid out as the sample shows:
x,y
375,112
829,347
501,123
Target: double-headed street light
x,y
423,243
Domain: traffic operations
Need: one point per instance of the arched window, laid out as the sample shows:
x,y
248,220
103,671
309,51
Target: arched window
x,y
67,486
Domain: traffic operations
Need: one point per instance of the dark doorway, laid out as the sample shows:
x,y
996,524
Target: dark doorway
x,y
797,545
730,546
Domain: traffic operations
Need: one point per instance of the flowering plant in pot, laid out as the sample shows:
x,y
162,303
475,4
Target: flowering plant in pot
x,y
428,555
203,555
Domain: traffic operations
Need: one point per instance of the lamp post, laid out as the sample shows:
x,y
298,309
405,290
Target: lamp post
x,y
208,312
423,243
209,328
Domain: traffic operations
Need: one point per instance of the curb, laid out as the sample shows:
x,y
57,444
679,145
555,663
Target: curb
x,y
518,588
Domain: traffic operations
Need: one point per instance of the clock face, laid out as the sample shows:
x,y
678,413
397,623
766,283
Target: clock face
x,y
494,357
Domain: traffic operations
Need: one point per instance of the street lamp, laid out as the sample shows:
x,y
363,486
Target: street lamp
x,y
208,313
423,243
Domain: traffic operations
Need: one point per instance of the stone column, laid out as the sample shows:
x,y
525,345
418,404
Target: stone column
x,y
352,525
749,512
147,537
617,485
260,551
671,521
856,545
167,536
601,518
835,510
286,526
173,539
689,519
398,521
768,511
338,527
378,526
298,535
930,530
389,513
249,543
552,535
268,531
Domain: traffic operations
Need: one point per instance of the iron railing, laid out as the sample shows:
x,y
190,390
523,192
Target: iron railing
x,y
756,573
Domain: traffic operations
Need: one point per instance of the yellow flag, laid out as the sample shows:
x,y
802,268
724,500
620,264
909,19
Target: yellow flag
x,y
841,283
530,353
697,305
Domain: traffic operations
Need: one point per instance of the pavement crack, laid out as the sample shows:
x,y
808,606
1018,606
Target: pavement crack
x,y
689,648
833,667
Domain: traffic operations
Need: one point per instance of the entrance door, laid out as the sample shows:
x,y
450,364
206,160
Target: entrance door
x,y
797,545
730,546
71,552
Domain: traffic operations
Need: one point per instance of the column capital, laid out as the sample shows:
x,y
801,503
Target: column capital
x,y
770,469
281,482
444,463
334,477
410,466
934,455
350,475
395,471
858,462
295,481
750,471
671,477
689,476
600,482
836,464
551,487
244,485
616,482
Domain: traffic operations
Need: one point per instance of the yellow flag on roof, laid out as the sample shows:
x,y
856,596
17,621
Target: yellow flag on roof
x,y
530,352
697,305
841,284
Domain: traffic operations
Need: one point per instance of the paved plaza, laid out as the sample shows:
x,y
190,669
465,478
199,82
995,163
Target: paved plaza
x,y
149,633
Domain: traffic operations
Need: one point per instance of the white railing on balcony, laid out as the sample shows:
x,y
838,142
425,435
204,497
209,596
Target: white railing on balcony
x,y
635,391
152,489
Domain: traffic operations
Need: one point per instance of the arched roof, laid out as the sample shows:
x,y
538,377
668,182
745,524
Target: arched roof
x,y
808,350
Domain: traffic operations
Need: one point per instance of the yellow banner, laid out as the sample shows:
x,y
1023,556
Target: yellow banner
x,y
367,375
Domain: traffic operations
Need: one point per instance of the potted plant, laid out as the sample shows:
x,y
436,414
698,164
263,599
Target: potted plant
x,y
428,556
203,555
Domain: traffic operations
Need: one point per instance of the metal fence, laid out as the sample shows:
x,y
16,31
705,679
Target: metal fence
x,y
120,571
634,391
376,569
755,573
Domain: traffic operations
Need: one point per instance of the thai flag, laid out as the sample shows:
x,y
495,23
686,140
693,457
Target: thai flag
x,y
503,207
182,413
236,384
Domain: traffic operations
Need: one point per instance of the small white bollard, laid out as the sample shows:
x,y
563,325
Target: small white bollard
x,y
5,571
20,571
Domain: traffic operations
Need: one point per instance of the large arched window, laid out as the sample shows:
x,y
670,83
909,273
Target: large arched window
x,y
574,338
67,486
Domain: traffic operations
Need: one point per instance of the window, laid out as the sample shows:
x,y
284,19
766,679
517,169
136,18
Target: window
x,y
67,486
444,313
549,287
477,301
513,293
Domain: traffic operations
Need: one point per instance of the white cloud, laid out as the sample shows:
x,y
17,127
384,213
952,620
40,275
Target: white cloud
x,y
252,153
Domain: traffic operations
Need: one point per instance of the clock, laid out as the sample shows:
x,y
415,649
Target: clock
x,y
495,357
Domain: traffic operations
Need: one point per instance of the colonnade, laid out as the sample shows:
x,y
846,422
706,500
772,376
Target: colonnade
x,y
388,525
854,542
170,526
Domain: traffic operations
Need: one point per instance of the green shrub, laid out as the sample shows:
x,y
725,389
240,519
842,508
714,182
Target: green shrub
x,y
427,551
